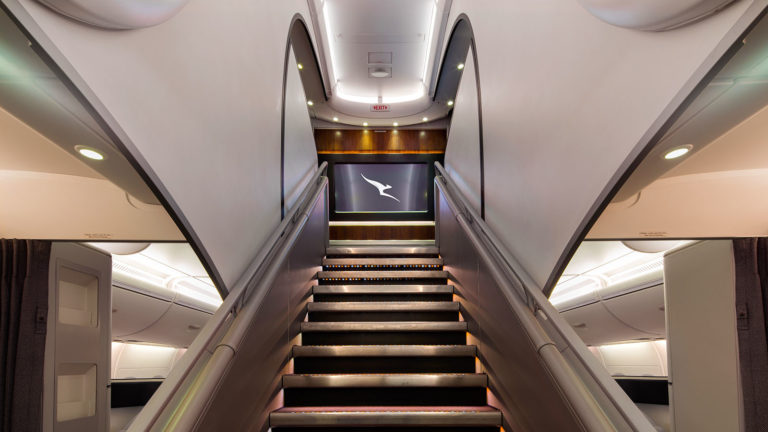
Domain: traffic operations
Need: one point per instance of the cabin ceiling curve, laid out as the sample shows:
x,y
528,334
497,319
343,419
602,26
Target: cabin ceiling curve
x,y
374,55
652,15
118,14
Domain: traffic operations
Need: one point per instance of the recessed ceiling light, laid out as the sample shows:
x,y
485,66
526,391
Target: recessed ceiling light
x,y
310,103
460,66
677,152
395,124
89,153
450,103
300,66
380,72
424,119
365,123
335,119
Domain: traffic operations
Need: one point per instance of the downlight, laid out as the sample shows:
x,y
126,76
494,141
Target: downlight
x,y
365,124
424,119
300,66
335,119
677,152
395,124
310,103
89,153
460,66
450,103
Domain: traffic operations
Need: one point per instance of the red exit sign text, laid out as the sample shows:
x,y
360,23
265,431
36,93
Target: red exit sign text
x,y
380,108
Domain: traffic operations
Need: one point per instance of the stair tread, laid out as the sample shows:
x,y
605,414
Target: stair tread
x,y
384,326
385,351
385,380
382,274
389,409
382,250
382,261
389,415
383,306
382,289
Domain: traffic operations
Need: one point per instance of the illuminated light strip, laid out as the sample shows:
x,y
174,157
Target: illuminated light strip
x,y
374,99
429,43
330,36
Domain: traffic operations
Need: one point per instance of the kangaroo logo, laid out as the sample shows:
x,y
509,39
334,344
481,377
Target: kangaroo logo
x,y
381,187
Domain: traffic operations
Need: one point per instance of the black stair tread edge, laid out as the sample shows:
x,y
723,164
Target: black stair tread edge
x,y
389,306
345,416
383,289
362,326
389,274
394,350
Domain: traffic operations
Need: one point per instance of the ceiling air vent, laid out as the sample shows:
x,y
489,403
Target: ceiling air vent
x,y
376,58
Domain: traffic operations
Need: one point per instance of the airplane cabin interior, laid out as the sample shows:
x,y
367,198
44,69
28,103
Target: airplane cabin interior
x,y
413,215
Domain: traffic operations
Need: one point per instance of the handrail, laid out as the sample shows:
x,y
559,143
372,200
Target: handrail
x,y
243,290
521,290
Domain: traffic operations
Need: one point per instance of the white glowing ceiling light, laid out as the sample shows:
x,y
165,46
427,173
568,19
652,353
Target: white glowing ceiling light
x,y
166,277
627,267
429,42
329,35
575,287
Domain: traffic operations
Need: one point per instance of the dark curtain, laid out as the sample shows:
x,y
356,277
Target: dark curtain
x,y
23,321
751,260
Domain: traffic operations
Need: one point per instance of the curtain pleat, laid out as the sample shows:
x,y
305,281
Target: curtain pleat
x,y
23,322
751,261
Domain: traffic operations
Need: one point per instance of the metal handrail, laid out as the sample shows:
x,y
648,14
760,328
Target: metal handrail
x,y
211,335
521,290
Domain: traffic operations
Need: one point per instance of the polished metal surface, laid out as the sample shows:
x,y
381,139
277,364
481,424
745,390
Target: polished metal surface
x,y
394,416
403,326
383,289
407,306
385,351
383,274
551,366
203,391
386,380
381,261
382,250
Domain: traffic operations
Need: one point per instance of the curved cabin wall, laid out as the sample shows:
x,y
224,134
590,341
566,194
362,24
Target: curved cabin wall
x,y
199,98
566,99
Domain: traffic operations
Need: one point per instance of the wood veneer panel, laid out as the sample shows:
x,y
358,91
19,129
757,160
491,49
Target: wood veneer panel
x,y
349,141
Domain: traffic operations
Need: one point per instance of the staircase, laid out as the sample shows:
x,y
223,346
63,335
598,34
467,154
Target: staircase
x,y
384,349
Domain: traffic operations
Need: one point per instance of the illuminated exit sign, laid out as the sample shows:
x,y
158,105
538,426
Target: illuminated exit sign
x,y
380,108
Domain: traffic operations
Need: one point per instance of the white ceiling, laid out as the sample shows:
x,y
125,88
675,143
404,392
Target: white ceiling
x,y
405,33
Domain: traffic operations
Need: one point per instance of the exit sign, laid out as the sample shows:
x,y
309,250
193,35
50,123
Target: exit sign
x,y
380,108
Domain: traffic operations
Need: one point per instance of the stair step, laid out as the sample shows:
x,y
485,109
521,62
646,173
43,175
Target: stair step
x,y
349,251
385,351
382,262
382,274
386,416
382,306
402,326
382,289
385,380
